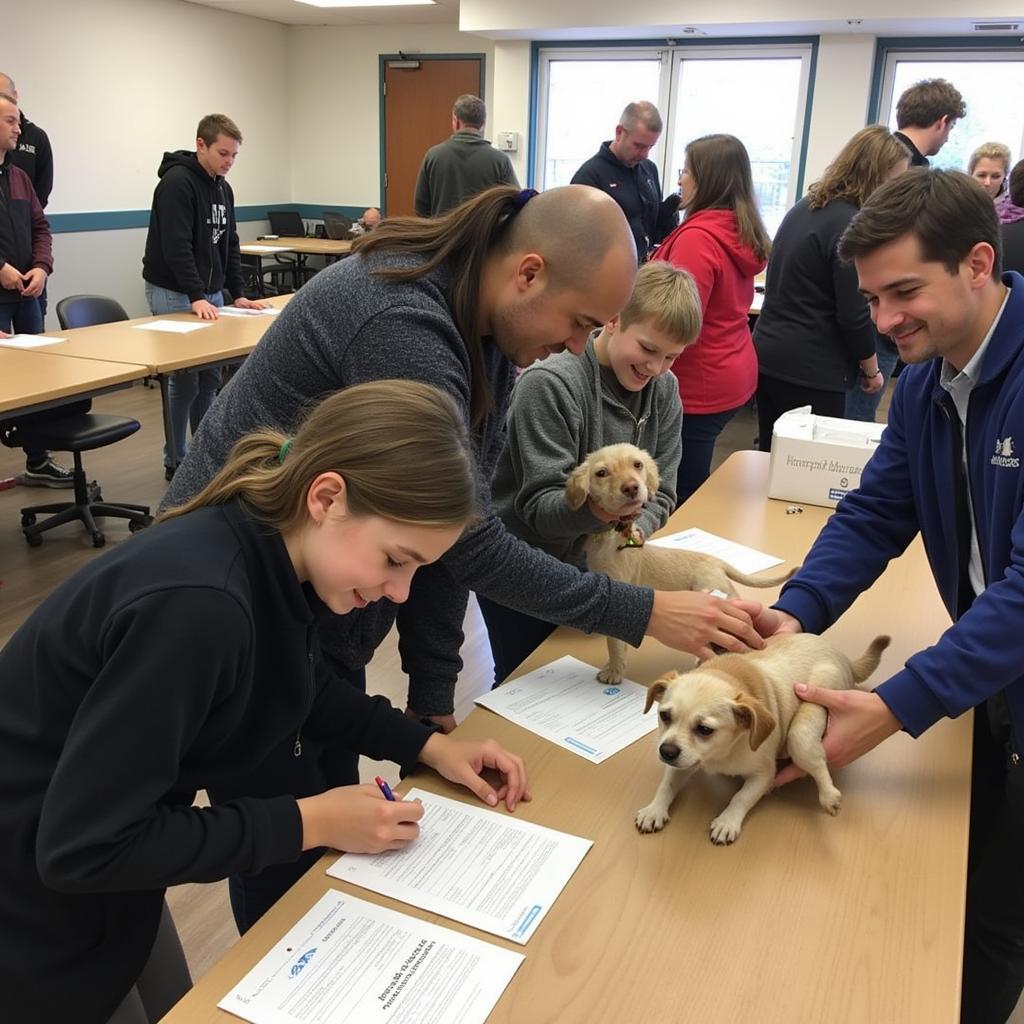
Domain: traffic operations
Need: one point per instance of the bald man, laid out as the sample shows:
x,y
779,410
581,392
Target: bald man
x,y
33,154
460,302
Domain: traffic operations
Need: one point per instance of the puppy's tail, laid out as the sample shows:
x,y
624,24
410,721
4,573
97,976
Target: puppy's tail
x,y
868,661
756,581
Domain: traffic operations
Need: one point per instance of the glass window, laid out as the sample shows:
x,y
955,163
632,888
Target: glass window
x,y
992,85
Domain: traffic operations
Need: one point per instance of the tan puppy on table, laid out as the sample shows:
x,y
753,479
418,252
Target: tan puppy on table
x,y
622,476
737,714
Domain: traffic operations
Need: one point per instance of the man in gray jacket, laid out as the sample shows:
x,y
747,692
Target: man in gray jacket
x,y
462,165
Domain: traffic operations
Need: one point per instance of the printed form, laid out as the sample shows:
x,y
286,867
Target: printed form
x,y
173,326
351,961
474,865
565,703
246,311
739,556
28,341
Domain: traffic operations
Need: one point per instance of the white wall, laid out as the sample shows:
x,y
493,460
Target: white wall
x,y
115,83
334,78
510,109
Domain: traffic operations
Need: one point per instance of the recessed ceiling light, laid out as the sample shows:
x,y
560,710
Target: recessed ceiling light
x,y
366,3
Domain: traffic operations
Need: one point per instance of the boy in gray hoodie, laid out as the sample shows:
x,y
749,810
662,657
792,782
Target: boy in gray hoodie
x,y
564,408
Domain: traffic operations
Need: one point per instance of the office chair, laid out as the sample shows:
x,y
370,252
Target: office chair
x,y
289,224
77,430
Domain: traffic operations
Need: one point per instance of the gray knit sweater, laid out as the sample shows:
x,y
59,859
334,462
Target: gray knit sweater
x,y
345,327
561,411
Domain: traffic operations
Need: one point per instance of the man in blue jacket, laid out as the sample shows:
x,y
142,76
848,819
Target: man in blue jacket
x,y
927,251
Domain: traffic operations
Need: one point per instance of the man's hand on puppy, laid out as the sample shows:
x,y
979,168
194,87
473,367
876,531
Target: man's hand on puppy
x,y
692,621
857,723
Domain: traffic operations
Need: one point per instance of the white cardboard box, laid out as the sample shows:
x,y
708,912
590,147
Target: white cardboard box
x,y
817,459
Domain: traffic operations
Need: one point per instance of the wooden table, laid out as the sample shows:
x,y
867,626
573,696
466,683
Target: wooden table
x,y
807,918
227,340
30,382
302,248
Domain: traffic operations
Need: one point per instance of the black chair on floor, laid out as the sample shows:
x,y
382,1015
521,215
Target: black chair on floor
x,y
75,429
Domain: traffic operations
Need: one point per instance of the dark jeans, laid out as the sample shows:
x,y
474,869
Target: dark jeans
x,y
700,432
24,317
994,936
318,768
774,397
514,636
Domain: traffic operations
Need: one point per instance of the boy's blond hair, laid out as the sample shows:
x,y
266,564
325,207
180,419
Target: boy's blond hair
x,y
665,296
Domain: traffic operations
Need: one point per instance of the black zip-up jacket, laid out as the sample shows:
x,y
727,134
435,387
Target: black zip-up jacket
x,y
192,245
638,191
171,664
35,157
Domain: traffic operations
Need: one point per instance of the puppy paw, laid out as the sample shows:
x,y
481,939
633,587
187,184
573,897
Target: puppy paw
x,y
724,830
651,818
830,800
608,674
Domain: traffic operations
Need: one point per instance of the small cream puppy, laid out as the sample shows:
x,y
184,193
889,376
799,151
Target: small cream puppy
x,y
737,714
621,477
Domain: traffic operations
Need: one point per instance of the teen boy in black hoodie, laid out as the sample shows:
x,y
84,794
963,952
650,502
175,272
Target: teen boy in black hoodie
x,y
192,255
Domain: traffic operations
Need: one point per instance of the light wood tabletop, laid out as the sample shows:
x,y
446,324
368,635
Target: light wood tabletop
x,y
30,381
225,339
305,246
806,918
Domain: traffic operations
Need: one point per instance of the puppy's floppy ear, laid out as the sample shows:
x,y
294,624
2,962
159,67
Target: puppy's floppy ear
x,y
576,487
652,478
751,714
657,689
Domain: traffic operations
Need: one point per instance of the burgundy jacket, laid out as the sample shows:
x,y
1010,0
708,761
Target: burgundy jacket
x,y
25,239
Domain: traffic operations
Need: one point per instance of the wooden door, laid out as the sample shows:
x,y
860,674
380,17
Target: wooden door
x,y
417,109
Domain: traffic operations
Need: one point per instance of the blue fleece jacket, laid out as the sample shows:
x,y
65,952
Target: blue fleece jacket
x,y
911,483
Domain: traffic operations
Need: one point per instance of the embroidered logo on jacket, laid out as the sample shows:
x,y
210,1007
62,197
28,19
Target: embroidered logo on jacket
x,y
1004,454
26,147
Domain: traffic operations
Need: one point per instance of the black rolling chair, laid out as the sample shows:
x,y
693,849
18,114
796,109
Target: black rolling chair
x,y
77,431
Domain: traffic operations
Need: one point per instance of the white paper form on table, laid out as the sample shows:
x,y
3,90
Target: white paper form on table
x,y
350,960
246,311
173,326
565,703
28,341
490,870
739,556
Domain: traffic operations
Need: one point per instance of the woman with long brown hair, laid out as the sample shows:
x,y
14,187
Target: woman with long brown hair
x,y
723,243
179,660
816,344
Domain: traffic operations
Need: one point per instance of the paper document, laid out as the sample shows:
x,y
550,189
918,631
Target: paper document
x,y
739,556
242,311
173,326
247,248
564,702
28,341
352,961
481,867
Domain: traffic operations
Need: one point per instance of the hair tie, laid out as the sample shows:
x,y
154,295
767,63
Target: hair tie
x,y
285,448
523,198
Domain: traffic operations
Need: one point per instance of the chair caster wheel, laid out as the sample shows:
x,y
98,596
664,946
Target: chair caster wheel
x,y
134,525
98,540
34,540
28,520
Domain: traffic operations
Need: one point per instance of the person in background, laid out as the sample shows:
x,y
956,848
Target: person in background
x,y
192,256
34,156
177,661
925,115
1010,209
566,407
989,165
462,165
723,243
1013,230
26,260
815,342
622,169
926,248
369,220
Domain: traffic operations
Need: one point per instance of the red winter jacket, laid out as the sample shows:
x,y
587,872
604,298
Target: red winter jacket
x,y
25,240
719,372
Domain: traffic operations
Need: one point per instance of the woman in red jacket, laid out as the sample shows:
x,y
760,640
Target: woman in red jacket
x,y
723,243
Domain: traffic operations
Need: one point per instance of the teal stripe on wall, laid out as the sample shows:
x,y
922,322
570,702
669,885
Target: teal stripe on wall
x,y
120,220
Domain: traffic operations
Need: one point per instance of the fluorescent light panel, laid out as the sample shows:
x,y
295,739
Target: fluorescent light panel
x,y
365,3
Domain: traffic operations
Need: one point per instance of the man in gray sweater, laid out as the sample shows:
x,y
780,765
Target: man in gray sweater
x,y
508,279
462,165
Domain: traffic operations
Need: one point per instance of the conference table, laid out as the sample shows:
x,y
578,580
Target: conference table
x,y
224,341
302,248
806,918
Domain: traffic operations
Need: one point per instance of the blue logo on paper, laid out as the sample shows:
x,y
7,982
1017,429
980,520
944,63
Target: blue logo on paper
x,y
610,691
299,964
835,494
